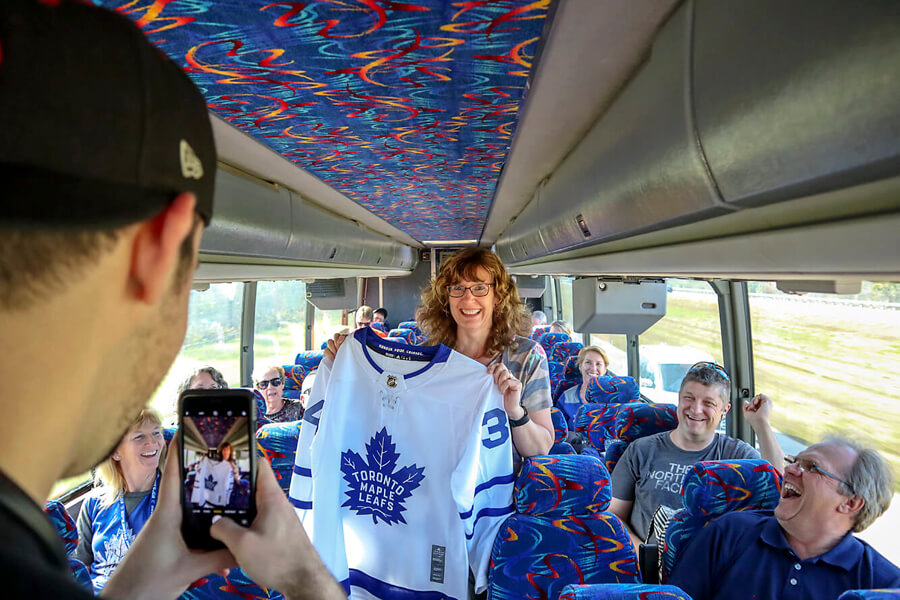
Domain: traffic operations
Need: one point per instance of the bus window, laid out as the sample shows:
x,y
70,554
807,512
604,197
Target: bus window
x,y
615,348
327,323
280,330
830,363
689,333
213,338
566,303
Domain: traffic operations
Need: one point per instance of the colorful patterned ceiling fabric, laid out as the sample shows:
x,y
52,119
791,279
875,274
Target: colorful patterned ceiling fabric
x,y
407,108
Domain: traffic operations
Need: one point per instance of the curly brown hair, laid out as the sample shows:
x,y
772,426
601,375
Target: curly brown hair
x,y
510,314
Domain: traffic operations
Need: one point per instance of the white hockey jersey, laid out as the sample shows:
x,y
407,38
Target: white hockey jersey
x,y
213,483
403,473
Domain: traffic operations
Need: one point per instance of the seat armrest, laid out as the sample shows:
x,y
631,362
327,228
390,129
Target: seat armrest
x,y
648,558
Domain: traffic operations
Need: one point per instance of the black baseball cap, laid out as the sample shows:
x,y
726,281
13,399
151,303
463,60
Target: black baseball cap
x,y
98,128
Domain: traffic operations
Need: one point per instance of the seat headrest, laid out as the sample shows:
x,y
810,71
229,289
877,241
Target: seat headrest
x,y
562,484
409,325
379,326
310,359
293,379
598,421
711,488
63,524
643,419
537,332
612,388
548,340
564,350
407,335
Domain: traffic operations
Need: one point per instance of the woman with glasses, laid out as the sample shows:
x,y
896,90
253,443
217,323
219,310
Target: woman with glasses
x,y
271,386
473,306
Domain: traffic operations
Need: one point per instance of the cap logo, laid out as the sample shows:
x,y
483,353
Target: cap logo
x,y
191,167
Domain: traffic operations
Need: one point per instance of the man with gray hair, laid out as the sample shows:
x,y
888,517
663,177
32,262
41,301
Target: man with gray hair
x,y
806,548
538,319
650,471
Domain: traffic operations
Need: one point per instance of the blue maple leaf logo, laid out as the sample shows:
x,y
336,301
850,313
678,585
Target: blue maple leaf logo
x,y
374,487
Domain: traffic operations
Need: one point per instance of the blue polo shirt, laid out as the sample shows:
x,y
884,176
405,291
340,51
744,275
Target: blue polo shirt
x,y
744,554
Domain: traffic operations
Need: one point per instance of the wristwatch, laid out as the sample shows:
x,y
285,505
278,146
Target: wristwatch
x,y
519,422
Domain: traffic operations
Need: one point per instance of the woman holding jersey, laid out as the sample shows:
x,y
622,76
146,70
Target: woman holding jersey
x,y
473,306
116,511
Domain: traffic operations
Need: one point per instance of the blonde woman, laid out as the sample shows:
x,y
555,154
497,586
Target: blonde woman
x,y
125,497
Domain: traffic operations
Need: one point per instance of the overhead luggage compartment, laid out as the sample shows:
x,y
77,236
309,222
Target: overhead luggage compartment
x,y
740,104
263,223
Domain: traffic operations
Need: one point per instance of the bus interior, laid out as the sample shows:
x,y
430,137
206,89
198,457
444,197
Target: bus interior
x,y
679,180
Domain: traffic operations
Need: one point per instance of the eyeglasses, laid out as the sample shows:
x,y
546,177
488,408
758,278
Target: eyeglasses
x,y
478,290
274,382
715,367
808,465
363,323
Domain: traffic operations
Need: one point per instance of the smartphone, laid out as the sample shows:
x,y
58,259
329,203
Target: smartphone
x,y
217,430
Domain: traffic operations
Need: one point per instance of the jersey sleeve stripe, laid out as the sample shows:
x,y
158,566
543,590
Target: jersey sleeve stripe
x,y
500,480
490,512
382,589
302,471
301,504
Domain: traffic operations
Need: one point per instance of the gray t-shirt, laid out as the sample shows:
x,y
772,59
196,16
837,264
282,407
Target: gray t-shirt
x,y
651,469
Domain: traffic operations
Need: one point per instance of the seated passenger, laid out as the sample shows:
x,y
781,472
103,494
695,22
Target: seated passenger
x,y
650,471
380,316
538,319
115,512
204,378
591,362
560,327
278,408
806,549
364,317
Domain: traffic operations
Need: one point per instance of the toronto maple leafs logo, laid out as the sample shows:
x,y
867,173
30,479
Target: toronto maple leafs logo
x,y
375,488
209,482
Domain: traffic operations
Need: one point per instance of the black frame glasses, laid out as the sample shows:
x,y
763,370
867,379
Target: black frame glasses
x,y
274,382
808,465
460,290
714,366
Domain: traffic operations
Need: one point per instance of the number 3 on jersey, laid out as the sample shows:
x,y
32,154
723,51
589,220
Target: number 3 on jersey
x,y
493,428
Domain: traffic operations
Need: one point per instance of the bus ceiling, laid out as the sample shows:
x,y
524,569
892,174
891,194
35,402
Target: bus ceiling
x,y
696,138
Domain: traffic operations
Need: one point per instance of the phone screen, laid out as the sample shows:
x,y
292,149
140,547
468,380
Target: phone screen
x,y
218,461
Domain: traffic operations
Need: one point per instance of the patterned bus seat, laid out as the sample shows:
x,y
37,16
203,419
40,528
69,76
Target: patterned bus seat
x,y
377,325
623,591
561,533
537,332
712,488
410,325
612,388
563,350
548,340
277,443
236,585
556,374
597,422
560,433
64,524
407,335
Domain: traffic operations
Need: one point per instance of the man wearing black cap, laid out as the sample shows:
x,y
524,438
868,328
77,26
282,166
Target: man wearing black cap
x,y
107,165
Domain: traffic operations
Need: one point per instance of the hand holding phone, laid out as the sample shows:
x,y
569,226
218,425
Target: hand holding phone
x,y
217,461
